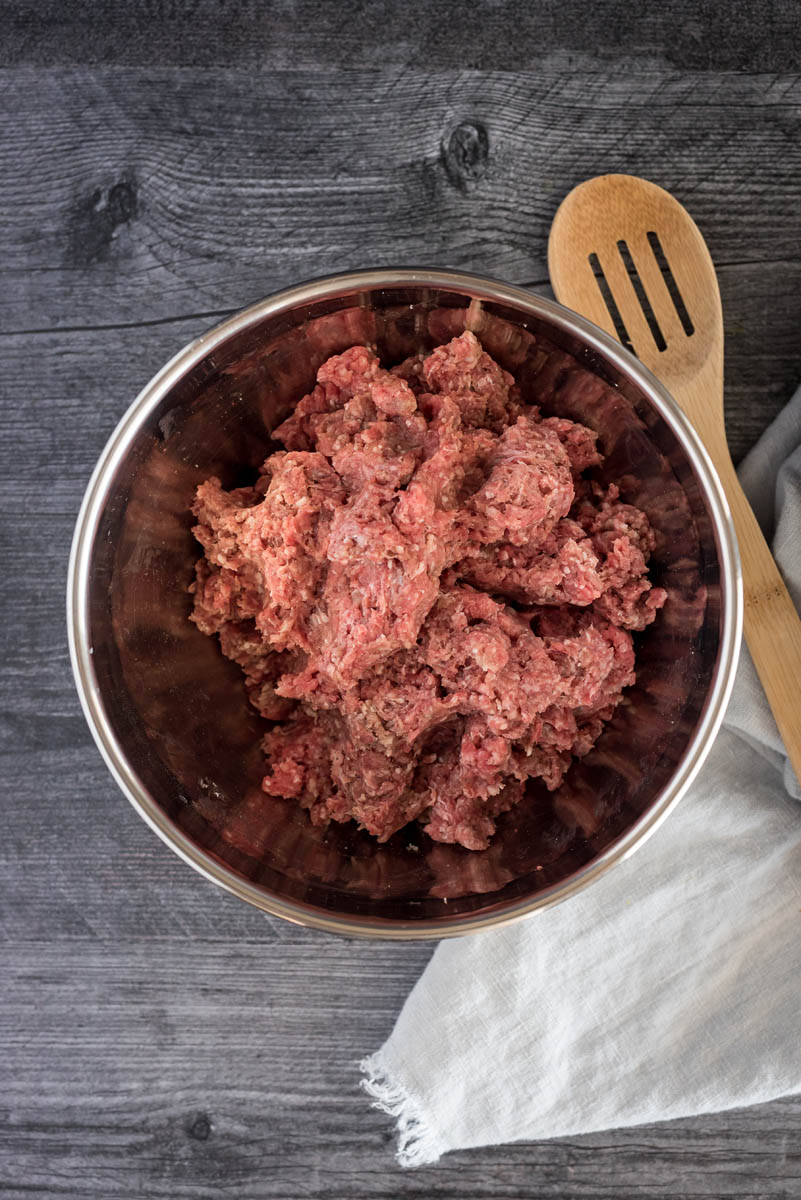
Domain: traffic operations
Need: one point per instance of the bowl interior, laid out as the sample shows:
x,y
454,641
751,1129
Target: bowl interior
x,y
177,710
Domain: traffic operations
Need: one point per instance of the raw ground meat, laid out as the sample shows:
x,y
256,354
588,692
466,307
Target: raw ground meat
x,y
426,593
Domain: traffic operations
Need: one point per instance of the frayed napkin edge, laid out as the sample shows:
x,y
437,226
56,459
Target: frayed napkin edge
x,y
418,1145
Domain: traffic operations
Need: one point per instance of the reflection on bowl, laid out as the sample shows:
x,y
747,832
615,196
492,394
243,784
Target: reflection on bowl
x,y
170,713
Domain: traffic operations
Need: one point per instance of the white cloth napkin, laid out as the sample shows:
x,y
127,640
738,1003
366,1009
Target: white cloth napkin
x,y
670,986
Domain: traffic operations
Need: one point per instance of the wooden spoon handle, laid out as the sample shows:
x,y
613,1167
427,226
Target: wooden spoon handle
x,y
771,624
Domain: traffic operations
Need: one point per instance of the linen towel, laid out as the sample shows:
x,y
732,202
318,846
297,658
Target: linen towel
x,y
670,986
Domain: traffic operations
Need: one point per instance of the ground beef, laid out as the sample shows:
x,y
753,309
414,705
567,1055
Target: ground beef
x,y
426,593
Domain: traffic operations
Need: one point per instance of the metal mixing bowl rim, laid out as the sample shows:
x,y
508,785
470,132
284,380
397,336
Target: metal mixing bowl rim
x,y
80,570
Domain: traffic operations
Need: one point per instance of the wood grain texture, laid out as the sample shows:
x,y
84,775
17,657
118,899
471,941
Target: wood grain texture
x,y
491,34
161,164
196,1069
168,192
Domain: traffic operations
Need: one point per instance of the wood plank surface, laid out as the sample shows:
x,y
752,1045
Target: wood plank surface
x,y
161,192
162,164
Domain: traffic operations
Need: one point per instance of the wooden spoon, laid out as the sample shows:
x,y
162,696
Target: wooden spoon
x,y
625,254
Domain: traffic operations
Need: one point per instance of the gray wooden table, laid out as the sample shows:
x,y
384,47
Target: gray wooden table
x,y
161,164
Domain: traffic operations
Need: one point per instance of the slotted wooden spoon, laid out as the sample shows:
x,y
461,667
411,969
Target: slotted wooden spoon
x,y
624,253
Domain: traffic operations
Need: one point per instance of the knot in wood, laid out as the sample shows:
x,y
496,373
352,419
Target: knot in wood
x,y
200,1128
465,154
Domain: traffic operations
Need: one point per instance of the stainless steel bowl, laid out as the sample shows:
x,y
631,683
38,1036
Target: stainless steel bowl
x,y
169,713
